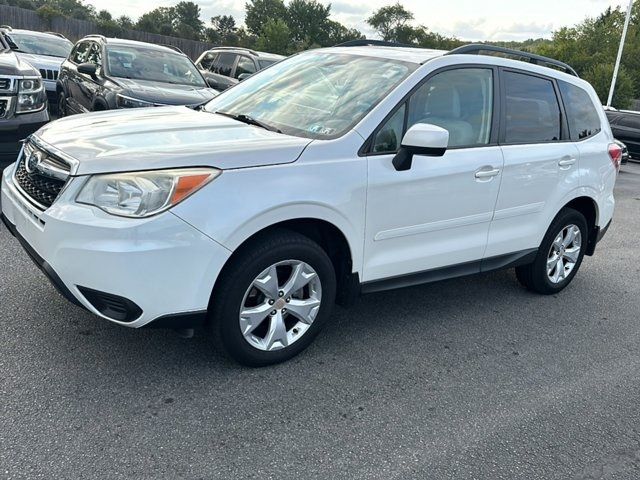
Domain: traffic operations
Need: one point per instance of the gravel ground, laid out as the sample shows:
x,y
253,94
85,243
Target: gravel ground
x,y
468,378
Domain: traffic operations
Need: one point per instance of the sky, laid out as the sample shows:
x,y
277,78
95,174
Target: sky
x,y
465,19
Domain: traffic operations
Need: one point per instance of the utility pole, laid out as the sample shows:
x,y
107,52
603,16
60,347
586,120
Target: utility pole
x,y
620,48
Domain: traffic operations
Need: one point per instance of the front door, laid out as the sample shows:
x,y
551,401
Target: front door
x,y
438,212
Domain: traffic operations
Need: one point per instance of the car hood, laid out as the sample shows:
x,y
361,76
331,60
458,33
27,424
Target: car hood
x,y
10,64
41,61
166,137
165,93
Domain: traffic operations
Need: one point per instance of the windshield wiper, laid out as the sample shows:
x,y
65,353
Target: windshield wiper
x,y
249,120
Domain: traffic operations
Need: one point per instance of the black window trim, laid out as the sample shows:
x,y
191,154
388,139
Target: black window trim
x,y
564,128
365,149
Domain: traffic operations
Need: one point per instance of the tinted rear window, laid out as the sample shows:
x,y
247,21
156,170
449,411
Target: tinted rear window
x,y
533,113
582,115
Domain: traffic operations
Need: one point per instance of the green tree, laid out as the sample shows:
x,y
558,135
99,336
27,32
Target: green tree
x,y
259,12
223,30
308,21
338,33
599,75
125,22
275,38
187,23
391,21
159,20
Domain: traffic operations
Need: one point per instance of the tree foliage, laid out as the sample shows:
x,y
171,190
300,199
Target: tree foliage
x,y
391,22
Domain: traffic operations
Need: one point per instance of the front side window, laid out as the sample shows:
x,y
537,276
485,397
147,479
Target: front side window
x,y
50,45
94,55
313,94
207,61
139,63
389,135
532,110
80,53
460,101
224,64
582,116
245,65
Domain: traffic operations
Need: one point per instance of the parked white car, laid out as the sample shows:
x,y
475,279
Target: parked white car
x,y
337,171
44,50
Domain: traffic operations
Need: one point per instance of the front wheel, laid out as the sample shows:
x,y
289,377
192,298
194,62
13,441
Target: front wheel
x,y
273,299
559,256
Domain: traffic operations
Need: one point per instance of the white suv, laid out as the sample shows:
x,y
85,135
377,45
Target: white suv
x,y
334,172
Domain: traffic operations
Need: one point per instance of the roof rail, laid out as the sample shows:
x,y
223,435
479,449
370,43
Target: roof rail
x,y
172,47
491,50
252,52
95,35
365,42
57,34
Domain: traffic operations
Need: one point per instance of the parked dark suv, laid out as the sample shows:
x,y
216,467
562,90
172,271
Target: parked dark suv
x,y
223,67
107,73
23,103
625,126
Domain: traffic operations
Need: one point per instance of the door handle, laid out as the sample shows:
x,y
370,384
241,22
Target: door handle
x,y
567,161
487,173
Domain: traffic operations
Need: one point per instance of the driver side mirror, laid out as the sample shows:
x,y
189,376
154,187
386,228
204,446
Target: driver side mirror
x,y
88,69
421,139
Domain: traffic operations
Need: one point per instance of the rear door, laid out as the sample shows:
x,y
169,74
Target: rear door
x,y
540,162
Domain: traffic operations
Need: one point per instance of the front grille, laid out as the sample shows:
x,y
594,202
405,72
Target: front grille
x,y
4,106
49,74
39,186
5,84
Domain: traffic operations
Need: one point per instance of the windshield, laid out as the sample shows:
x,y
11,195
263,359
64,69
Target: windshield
x,y
50,45
141,63
264,62
314,95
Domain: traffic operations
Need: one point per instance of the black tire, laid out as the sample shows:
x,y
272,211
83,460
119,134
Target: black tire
x,y
534,276
251,260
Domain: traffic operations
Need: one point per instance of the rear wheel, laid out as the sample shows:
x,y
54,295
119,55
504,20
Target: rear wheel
x,y
272,301
559,256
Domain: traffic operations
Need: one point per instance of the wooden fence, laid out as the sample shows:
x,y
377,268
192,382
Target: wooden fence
x,y
75,29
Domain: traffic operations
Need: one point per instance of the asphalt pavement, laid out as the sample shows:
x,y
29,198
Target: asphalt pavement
x,y
473,378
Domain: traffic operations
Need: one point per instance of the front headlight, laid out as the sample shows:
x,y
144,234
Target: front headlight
x,y
31,95
122,101
143,194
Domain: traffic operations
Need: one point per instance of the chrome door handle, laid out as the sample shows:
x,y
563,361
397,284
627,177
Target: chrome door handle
x,y
567,162
487,173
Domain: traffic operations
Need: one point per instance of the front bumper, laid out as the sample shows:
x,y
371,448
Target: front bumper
x,y
161,264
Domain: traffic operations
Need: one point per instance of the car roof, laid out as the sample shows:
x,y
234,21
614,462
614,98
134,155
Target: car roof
x,y
132,43
248,51
404,54
31,32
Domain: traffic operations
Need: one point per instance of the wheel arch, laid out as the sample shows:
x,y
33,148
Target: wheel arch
x,y
589,208
330,238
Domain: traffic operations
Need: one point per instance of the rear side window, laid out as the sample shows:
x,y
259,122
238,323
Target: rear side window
x,y
582,116
224,64
532,110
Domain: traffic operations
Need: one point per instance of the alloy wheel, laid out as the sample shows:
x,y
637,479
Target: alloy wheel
x,y
280,305
564,253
